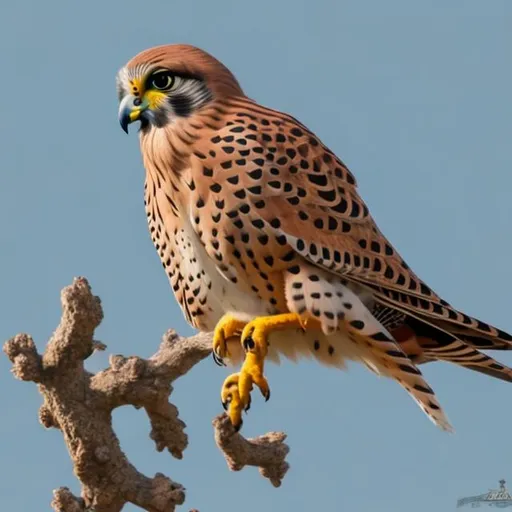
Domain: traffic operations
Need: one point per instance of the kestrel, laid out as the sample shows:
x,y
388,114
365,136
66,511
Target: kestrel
x,y
266,241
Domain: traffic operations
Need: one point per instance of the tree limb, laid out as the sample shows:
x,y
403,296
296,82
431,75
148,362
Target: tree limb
x,y
80,404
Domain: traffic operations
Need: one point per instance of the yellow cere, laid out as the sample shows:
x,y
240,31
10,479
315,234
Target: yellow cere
x,y
135,114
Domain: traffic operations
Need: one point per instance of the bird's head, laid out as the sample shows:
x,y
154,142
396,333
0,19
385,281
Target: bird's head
x,y
164,83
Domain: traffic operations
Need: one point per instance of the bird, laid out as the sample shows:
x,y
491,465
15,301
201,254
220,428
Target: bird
x,y
268,244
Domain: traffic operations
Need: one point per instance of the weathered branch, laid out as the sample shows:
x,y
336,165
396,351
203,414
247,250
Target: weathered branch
x,y
267,452
80,404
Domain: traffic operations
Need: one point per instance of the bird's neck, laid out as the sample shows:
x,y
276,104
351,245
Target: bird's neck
x,y
168,152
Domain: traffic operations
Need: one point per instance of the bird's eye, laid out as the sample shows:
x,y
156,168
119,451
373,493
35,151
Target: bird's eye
x,y
162,80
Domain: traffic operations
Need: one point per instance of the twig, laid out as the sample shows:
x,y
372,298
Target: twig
x,y
267,452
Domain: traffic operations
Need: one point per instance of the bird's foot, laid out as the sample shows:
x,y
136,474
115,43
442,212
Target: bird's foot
x,y
236,390
227,327
232,402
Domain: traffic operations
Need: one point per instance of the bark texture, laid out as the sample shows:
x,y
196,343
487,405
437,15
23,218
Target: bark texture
x,y
80,405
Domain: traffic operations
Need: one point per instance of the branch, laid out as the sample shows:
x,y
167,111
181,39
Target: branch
x,y
80,404
267,452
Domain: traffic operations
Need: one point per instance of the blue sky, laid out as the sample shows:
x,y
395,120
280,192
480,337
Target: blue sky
x,y
413,96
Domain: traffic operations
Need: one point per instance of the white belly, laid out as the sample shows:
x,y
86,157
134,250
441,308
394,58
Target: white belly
x,y
222,296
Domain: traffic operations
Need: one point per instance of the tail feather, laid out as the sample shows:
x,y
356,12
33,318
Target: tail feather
x,y
425,341
385,357
439,313
478,339
408,375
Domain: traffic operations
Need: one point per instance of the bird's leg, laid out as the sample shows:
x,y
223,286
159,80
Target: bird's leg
x,y
227,327
236,390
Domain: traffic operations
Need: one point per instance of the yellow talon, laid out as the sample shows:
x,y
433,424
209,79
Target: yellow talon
x,y
252,373
227,327
236,390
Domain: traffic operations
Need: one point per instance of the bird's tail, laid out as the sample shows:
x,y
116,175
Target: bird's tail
x,y
426,339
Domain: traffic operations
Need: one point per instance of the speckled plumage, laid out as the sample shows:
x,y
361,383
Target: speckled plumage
x,y
252,215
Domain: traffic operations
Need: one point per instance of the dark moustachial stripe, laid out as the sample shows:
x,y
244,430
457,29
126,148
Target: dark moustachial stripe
x,y
181,104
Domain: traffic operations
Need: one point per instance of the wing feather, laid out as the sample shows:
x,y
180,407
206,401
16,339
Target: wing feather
x,y
276,177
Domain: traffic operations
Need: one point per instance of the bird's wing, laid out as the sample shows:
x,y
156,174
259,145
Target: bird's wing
x,y
278,178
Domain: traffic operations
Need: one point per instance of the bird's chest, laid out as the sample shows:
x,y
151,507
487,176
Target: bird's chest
x,y
202,291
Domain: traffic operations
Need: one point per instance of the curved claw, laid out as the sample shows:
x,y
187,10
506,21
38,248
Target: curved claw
x,y
218,360
248,342
226,328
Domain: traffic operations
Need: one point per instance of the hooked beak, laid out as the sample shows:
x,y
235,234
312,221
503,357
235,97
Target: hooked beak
x,y
130,110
